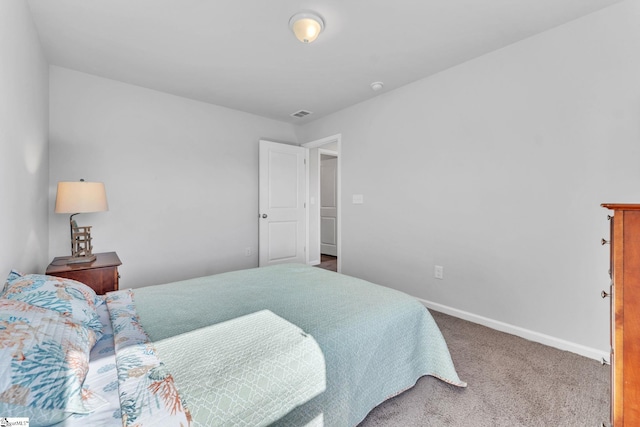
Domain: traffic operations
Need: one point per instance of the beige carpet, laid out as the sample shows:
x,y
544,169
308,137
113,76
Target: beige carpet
x,y
512,382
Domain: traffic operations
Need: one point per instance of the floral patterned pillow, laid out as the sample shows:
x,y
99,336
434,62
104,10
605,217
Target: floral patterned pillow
x,y
44,359
12,275
68,297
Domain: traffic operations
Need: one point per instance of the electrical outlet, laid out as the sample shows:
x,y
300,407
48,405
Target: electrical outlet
x,y
438,272
248,252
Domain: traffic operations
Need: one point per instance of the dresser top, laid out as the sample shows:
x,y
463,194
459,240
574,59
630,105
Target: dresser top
x,y
105,259
621,206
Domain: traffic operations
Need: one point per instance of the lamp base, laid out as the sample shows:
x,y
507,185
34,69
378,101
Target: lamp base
x,y
80,259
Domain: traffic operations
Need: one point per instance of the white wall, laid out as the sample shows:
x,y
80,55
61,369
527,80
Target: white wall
x,y
495,169
23,142
181,176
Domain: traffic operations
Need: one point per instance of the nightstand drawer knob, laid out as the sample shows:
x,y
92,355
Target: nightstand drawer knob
x,y
603,294
604,242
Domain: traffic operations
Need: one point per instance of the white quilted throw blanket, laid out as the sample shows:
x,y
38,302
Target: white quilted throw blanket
x,y
249,371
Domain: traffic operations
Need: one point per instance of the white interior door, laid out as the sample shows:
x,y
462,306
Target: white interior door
x,y
328,205
283,216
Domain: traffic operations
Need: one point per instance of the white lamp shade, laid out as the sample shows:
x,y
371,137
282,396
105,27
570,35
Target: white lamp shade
x,y
81,197
306,26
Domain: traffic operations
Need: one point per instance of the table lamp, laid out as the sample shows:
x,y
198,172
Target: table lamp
x,y
75,198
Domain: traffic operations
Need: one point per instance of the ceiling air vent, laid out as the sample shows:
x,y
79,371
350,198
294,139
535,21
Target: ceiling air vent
x,y
301,113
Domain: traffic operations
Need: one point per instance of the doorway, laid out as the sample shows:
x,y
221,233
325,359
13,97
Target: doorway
x,y
328,210
324,202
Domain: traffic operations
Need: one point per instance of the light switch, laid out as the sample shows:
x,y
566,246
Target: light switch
x,y
358,199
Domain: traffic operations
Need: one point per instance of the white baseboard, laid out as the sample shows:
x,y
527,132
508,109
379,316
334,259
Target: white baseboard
x,y
314,262
558,343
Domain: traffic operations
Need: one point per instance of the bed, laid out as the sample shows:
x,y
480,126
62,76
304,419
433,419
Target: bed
x,y
287,345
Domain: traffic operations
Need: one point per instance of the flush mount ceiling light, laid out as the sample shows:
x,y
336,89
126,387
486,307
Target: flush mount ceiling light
x,y
306,26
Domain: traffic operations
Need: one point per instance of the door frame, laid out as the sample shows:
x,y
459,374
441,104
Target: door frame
x,y
318,143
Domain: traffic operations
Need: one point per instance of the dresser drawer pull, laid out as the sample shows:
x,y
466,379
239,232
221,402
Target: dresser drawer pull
x,y
604,361
604,242
603,294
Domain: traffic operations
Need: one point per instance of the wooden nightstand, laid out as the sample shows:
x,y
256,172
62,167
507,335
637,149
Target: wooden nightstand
x,y
101,275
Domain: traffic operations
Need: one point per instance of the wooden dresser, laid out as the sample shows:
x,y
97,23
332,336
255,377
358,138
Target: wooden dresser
x,y
625,314
101,275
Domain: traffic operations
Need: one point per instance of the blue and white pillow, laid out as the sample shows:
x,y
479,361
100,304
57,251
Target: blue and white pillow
x,y
68,297
44,360
12,275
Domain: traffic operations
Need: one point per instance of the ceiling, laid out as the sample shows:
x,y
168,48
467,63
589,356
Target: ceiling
x,y
241,54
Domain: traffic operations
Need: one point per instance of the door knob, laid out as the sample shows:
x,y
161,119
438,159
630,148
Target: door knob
x,y
264,215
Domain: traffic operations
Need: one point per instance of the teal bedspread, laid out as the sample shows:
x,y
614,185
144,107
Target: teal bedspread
x,y
376,341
